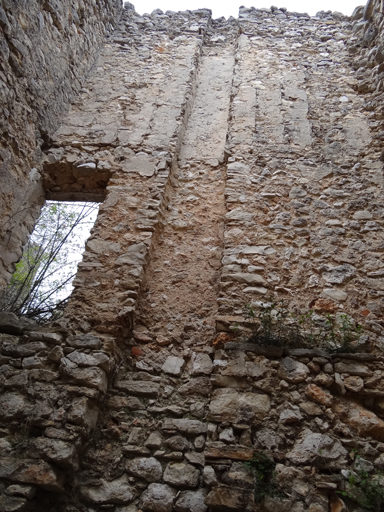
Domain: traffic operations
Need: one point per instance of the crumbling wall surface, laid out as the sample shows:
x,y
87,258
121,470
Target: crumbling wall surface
x,y
46,49
127,123
366,48
239,161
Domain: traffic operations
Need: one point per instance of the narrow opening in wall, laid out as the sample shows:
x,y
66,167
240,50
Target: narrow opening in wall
x,y
42,282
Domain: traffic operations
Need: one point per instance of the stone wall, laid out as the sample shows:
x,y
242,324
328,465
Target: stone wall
x,y
239,159
46,50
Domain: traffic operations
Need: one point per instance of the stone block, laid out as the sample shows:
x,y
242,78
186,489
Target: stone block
x,y
196,386
190,501
229,499
116,492
232,406
219,450
158,498
319,450
14,406
173,365
92,377
61,453
9,323
139,388
84,341
181,474
190,427
84,412
147,468
32,471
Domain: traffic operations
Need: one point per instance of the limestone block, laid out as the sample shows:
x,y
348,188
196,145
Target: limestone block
x,y
85,360
181,474
196,458
60,452
91,377
292,370
117,492
196,386
14,406
121,402
201,364
51,338
13,503
135,255
173,365
230,405
190,501
9,323
139,388
84,341
32,471
365,422
238,476
209,476
290,414
352,368
25,491
229,499
219,450
339,274
335,294
354,383
177,443
27,350
242,277
147,468
158,498
319,450
190,427
83,412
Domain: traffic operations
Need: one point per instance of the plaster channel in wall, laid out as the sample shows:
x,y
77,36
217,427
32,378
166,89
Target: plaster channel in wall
x,y
181,283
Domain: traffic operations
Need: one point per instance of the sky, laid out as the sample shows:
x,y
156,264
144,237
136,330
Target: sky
x,y
225,8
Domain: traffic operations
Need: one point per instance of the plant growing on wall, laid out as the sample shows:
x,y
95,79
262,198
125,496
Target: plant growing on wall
x,y
41,283
263,469
365,489
273,324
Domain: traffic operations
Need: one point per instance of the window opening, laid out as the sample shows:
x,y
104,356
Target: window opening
x,y
42,282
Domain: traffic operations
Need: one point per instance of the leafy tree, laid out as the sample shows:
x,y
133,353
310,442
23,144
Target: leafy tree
x,y
41,283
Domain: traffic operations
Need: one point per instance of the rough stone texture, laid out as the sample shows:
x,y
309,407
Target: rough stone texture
x,y
150,469
190,501
46,51
225,499
327,451
235,159
118,492
229,405
182,475
158,498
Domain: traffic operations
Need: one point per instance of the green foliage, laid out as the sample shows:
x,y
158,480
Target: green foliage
x,y
263,469
273,324
366,490
40,284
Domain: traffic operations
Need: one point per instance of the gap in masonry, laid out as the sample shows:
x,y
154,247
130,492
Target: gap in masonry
x,y
42,281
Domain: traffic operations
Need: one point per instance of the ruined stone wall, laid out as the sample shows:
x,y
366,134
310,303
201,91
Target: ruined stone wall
x,y
46,49
240,159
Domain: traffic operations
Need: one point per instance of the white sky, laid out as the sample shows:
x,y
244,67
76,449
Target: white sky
x,y
223,8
